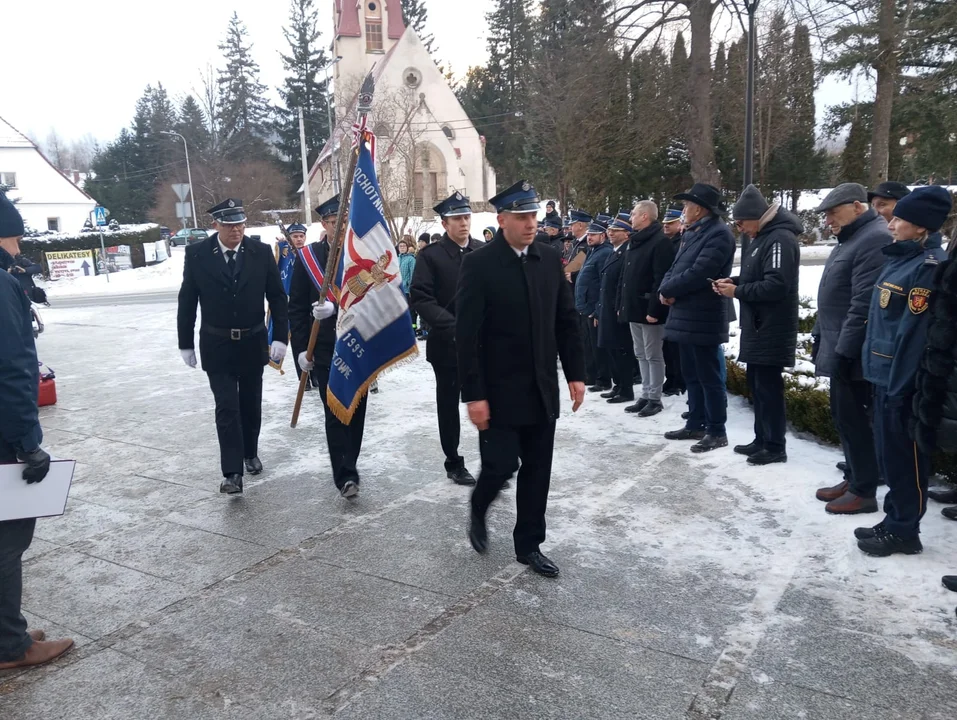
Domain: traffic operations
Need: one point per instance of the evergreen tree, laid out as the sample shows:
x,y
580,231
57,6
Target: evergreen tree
x,y
772,122
855,153
416,15
114,166
191,124
305,87
244,109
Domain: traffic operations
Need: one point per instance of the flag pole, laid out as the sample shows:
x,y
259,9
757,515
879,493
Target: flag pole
x,y
335,244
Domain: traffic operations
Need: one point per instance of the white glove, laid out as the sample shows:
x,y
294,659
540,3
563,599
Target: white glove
x,y
324,311
305,365
277,351
189,357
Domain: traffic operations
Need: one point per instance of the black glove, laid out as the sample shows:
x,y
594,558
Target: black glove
x,y
845,368
38,465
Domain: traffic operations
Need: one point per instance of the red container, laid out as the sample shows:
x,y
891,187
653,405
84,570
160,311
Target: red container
x,y
47,392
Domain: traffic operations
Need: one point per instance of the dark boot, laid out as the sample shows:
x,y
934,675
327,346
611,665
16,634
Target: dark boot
x,y
621,398
866,533
949,582
599,387
253,466
652,408
614,392
709,443
766,457
478,533
752,448
232,485
685,434
637,407
842,466
950,512
461,476
943,494
887,544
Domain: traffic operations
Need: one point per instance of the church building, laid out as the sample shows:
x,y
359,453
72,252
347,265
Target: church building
x,y
426,146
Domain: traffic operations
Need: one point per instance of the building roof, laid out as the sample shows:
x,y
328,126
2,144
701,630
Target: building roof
x,y
349,18
11,137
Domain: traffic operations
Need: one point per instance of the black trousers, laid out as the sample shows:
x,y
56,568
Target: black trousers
x,y
344,441
904,466
766,383
447,391
597,360
849,408
502,448
239,408
623,370
673,377
15,538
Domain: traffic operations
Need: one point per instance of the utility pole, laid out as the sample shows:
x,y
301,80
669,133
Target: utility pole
x,y
189,174
334,156
752,7
306,211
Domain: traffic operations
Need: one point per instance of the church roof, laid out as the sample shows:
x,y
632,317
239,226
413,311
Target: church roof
x,y
349,18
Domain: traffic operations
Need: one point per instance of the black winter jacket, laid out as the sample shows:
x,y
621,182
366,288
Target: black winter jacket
x,y
649,254
767,290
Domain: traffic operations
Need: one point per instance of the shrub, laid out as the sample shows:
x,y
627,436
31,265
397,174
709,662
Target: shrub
x,y
135,237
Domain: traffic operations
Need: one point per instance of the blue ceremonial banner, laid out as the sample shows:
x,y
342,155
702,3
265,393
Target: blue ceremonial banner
x,y
286,259
375,327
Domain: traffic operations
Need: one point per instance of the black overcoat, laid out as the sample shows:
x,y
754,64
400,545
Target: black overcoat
x,y
648,258
513,320
612,334
228,303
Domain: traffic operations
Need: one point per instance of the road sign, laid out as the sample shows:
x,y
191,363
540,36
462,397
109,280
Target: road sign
x,y
181,190
183,211
70,264
100,214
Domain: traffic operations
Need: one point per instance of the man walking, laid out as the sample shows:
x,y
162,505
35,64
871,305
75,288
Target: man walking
x,y
767,290
20,438
648,258
434,286
228,275
843,301
514,317
587,291
698,319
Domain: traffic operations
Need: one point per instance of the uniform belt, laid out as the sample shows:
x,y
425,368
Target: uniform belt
x,y
233,333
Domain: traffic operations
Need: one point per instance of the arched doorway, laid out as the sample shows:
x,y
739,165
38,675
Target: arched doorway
x,y
429,178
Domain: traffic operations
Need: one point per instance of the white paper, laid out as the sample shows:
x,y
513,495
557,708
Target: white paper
x,y
43,499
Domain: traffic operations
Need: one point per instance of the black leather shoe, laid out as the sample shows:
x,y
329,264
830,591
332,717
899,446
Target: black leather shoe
x,y
637,407
867,533
842,466
685,434
672,392
709,443
232,485
349,489
887,544
619,399
253,466
945,495
949,582
652,408
950,512
599,388
766,457
478,533
752,448
613,393
461,476
539,563
685,415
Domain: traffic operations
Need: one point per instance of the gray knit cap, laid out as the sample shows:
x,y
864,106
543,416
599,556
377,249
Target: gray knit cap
x,y
751,205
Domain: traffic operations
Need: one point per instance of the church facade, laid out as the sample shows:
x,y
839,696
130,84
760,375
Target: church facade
x,y
427,147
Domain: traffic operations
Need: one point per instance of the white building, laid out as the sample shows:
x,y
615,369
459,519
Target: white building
x,y
427,147
46,199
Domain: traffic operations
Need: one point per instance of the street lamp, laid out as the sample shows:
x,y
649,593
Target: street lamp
x,y
189,175
332,144
751,6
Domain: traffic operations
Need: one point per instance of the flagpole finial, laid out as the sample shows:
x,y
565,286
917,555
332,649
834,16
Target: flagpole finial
x,y
366,94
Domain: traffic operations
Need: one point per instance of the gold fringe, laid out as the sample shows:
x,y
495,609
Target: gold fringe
x,y
344,414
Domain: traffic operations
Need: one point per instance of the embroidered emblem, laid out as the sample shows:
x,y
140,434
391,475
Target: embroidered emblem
x,y
232,204
885,297
526,187
918,300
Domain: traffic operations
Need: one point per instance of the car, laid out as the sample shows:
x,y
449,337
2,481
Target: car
x,y
188,236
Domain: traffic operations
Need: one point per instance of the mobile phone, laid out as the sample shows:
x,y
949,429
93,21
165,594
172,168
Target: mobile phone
x,y
711,280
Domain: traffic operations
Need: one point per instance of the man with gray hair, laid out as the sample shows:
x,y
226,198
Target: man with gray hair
x,y
843,302
648,257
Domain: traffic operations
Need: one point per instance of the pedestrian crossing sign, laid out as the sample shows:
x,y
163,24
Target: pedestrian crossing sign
x,y
100,214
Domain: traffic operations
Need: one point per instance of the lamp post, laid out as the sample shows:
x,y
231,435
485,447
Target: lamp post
x,y
189,174
752,7
334,156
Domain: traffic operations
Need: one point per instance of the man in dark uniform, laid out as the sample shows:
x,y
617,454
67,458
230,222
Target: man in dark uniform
x,y
228,275
551,234
305,306
580,220
671,225
514,316
434,284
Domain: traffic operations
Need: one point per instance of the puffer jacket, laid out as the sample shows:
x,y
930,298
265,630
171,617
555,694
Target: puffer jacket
x,y
767,290
699,316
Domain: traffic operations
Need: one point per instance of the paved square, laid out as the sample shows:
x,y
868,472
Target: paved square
x,y
691,587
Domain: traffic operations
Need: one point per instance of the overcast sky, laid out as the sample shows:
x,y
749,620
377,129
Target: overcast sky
x,y
79,67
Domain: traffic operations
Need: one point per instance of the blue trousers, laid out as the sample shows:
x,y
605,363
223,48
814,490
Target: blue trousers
x,y
705,374
905,468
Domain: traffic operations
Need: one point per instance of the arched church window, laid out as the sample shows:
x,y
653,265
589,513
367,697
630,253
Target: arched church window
x,y
374,26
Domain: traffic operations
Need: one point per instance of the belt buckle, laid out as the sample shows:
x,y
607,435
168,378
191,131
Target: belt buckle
x,y
235,334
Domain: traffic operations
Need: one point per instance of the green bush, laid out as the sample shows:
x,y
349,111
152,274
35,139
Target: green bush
x,y
34,247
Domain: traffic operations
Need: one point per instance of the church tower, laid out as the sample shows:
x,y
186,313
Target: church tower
x,y
366,30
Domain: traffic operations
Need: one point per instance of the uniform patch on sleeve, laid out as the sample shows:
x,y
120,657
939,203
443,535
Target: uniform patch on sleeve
x,y
918,299
885,298
776,256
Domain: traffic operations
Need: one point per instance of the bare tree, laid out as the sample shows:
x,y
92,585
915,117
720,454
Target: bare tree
x,y
55,150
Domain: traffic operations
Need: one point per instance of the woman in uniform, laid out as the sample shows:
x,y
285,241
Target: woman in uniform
x,y
895,341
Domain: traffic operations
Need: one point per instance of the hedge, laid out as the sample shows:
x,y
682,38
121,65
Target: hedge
x,y
34,247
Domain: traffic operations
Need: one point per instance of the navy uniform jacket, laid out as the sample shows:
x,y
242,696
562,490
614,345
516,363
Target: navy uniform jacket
x,y
434,285
588,284
228,303
612,334
302,294
513,319
19,371
898,317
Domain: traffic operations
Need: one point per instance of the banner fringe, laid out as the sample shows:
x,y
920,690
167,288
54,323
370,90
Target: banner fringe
x,y
344,414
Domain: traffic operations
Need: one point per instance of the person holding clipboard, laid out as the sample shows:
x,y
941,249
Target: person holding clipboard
x,y
20,438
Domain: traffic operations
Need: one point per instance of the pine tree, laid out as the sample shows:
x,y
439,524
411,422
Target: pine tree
x,y
192,125
416,15
855,153
305,87
111,186
772,118
245,110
